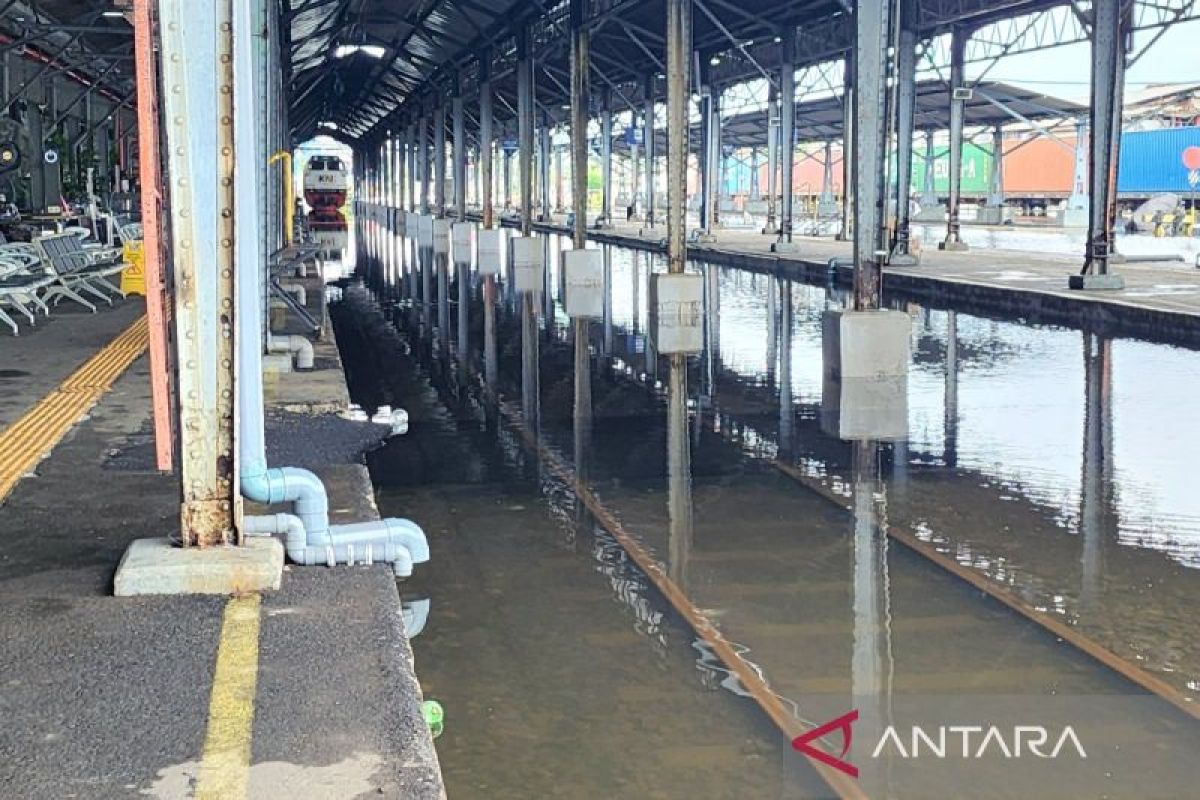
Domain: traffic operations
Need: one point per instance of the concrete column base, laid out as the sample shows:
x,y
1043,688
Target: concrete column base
x,y
904,260
1073,218
954,247
993,215
935,213
652,233
1109,282
276,363
785,247
771,230
156,566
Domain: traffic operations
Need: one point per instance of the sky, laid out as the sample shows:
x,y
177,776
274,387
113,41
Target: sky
x,y
1175,58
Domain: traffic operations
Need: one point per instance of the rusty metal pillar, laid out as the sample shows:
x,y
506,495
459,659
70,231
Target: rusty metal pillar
x,y
439,160
772,228
1110,41
959,92
649,145
871,114
198,107
460,157
906,94
787,136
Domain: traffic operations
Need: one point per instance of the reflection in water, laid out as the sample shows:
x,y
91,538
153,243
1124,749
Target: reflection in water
x,y
810,589
1096,515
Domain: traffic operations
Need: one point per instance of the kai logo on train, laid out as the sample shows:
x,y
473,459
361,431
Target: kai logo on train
x,y
943,742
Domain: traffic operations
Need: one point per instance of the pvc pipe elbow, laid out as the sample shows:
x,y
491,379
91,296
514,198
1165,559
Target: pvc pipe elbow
x,y
302,348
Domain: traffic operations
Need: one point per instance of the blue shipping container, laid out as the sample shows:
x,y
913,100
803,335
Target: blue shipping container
x,y
1152,161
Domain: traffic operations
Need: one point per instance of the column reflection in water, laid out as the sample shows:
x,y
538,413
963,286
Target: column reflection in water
x,y
441,258
787,419
651,363
871,662
774,287
608,300
1097,512
462,271
950,447
489,332
679,473
530,400
425,262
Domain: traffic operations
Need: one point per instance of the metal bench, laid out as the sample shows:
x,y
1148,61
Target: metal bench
x,y
22,276
75,271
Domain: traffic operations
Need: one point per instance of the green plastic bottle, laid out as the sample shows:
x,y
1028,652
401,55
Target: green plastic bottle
x,y
434,716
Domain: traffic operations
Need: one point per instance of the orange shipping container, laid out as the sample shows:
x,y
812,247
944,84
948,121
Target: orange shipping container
x,y
1039,168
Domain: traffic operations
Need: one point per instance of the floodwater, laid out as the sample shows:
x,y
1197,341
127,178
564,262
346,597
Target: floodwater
x,y
1048,465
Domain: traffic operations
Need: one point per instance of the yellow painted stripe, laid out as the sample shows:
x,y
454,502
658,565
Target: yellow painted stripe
x,y
31,438
225,763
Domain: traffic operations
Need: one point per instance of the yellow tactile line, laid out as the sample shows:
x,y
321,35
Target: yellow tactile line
x,y
225,763
31,438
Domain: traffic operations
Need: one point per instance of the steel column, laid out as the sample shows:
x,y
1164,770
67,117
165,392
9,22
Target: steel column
x,y
606,171
423,147
871,107
929,197
679,47
787,128
198,104
996,178
772,158
485,137
648,141
848,166
439,162
525,128
460,160
958,50
544,171
1110,30
906,92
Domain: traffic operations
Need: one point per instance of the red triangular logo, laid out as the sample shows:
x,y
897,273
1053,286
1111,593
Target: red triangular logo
x,y
843,724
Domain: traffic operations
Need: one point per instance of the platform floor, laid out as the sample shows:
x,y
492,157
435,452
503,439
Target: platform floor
x,y
108,697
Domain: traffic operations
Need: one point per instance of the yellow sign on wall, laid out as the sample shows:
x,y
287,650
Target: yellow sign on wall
x,y
133,277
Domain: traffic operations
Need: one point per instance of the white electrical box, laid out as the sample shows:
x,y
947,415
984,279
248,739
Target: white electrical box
x,y
460,239
677,305
488,244
528,265
441,236
583,272
425,230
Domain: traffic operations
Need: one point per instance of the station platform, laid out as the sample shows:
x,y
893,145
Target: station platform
x,y
304,692
1160,298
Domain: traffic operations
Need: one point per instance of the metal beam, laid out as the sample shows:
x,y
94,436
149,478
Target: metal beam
x,y
787,128
679,48
906,90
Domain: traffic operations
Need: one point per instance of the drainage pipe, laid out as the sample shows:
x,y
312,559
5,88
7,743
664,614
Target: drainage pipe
x,y
398,542
296,345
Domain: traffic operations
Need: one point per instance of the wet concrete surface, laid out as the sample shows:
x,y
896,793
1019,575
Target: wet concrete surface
x,y
34,363
105,697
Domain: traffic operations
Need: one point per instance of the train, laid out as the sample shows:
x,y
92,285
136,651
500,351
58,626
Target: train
x,y
326,187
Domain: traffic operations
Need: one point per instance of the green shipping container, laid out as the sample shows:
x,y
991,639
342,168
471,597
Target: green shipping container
x,y
976,170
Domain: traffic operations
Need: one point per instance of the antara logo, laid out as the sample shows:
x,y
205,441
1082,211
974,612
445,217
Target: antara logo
x,y
973,742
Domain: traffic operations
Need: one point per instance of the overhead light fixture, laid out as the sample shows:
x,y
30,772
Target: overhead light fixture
x,y
372,50
777,40
113,14
333,126
715,60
